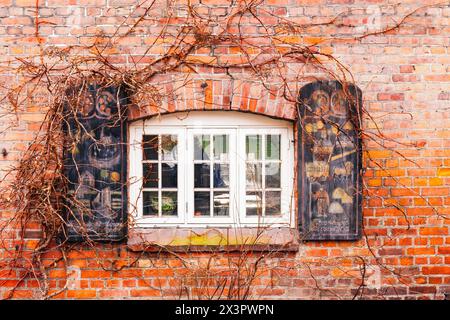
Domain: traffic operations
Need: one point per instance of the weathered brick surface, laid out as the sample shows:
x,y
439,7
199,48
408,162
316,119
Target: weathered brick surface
x,y
404,76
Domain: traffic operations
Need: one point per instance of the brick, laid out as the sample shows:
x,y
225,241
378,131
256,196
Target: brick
x,y
95,274
26,3
420,251
379,154
407,69
444,172
444,250
81,294
145,293
434,231
435,191
390,251
422,289
113,293
436,270
391,96
438,77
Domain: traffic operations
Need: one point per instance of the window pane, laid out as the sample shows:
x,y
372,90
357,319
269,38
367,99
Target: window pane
x,y
221,147
201,175
169,172
169,203
150,172
221,175
273,147
150,146
273,175
253,203
253,175
150,203
273,206
168,147
202,147
221,203
253,147
202,203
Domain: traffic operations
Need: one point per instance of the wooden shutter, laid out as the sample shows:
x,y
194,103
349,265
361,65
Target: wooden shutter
x,y
95,165
329,158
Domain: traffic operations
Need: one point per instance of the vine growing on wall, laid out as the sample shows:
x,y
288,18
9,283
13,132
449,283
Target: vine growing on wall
x,y
34,191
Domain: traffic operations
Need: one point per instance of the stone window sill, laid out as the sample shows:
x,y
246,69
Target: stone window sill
x,y
213,239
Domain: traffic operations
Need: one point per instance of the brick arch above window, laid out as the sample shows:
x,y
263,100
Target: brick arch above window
x,y
214,94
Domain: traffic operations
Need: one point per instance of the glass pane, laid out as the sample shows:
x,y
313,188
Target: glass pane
x,y
273,203
201,203
150,146
273,147
253,147
221,147
202,147
168,147
221,175
169,203
221,203
201,175
169,172
253,203
272,175
253,175
150,203
150,172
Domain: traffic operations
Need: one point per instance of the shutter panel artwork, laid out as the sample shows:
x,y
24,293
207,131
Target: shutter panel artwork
x,y
95,164
329,172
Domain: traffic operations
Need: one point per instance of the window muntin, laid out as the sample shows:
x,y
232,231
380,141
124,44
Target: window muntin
x,y
211,157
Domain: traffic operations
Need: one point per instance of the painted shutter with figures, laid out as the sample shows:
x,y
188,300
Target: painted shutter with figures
x,y
96,164
329,173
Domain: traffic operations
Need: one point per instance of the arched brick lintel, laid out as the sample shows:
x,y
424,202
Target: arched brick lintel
x,y
217,94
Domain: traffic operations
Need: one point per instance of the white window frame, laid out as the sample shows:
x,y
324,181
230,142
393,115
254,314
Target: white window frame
x,y
136,174
237,125
191,219
286,175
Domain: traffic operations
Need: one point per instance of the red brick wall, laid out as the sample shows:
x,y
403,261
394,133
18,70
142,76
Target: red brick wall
x,y
404,76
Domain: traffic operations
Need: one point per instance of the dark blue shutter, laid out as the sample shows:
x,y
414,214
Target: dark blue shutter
x,y
329,158
95,164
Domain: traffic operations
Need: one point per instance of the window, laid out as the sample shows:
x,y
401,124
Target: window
x,y
213,168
